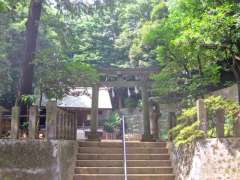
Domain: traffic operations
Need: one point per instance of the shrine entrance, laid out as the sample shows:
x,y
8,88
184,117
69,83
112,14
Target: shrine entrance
x,y
125,77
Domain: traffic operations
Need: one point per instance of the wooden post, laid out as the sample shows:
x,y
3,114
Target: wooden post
x,y
237,127
93,135
64,125
15,122
202,115
58,124
33,119
72,127
75,126
68,125
61,124
172,119
146,119
220,119
51,120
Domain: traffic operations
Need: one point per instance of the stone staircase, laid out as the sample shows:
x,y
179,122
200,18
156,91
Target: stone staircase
x,y
104,161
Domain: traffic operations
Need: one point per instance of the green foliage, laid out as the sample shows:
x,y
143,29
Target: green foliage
x,y
133,16
188,115
12,27
56,77
194,42
159,11
3,5
189,134
231,110
73,39
28,99
112,123
187,129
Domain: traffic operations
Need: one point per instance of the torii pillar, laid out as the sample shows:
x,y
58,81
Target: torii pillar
x,y
93,135
146,137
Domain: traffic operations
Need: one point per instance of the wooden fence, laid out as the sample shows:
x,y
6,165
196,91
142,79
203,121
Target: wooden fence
x,y
60,123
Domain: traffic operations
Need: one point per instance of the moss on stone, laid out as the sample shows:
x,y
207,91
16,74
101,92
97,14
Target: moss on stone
x,y
33,159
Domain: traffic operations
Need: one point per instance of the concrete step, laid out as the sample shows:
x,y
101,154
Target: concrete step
x,y
120,170
86,156
119,163
121,177
104,150
119,144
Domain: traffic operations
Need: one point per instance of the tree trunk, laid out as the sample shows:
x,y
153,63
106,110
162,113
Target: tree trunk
x,y
31,41
200,66
236,72
238,85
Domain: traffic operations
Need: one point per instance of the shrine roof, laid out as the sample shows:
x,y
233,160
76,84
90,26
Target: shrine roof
x,y
81,97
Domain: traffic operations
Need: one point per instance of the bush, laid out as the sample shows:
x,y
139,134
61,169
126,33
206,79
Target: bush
x,y
189,133
112,123
187,130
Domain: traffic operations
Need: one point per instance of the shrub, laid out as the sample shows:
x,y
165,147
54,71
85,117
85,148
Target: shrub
x,y
189,133
112,123
187,130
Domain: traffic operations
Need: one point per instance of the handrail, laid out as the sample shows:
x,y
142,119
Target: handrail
x,y
124,148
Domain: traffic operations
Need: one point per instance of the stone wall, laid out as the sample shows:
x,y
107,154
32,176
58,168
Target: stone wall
x,y
133,119
35,160
210,159
163,121
230,93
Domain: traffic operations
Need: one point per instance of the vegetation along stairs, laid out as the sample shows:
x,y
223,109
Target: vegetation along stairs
x,y
104,161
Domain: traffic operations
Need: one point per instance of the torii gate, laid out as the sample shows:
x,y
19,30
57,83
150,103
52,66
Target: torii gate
x,y
123,77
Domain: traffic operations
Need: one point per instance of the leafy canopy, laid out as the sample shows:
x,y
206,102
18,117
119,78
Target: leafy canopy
x,y
195,43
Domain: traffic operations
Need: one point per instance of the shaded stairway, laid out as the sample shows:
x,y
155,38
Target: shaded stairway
x,y
104,161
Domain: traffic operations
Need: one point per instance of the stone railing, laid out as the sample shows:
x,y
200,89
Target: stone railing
x,y
202,117
60,122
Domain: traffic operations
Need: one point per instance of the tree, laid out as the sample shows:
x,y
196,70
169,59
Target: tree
x,y
30,49
13,20
195,43
12,27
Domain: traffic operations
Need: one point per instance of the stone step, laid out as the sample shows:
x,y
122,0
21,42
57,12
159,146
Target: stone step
x,y
104,150
121,177
119,144
86,156
103,161
120,170
119,163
